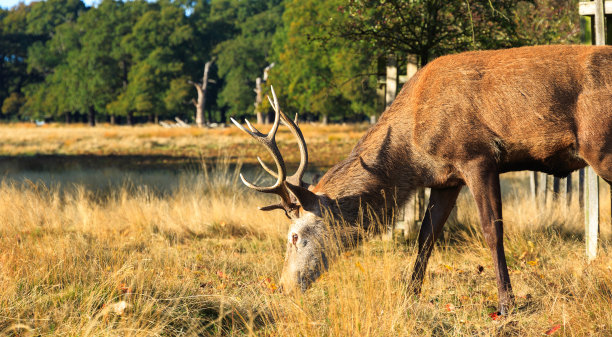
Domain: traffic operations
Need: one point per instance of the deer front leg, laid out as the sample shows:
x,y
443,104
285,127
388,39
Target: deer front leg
x,y
441,203
482,179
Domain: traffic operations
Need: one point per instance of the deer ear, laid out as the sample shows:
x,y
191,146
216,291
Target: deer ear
x,y
308,200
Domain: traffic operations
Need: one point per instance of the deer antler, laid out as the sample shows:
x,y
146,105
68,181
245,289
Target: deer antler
x,y
296,178
269,142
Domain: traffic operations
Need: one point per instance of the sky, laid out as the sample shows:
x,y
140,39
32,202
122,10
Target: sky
x,y
6,4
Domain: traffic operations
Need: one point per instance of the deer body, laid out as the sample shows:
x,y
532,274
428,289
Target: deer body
x,y
462,120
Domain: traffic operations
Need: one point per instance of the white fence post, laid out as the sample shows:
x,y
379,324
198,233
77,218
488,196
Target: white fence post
x,y
591,212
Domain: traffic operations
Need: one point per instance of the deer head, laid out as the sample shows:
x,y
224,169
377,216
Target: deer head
x,y
307,241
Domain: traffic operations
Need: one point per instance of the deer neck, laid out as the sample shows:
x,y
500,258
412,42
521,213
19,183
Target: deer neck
x,y
376,177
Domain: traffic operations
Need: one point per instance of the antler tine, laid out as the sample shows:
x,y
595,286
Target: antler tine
x,y
269,142
296,178
254,133
251,126
265,167
277,111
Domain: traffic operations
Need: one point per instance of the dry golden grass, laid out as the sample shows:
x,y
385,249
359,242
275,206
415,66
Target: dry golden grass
x,y
325,144
118,253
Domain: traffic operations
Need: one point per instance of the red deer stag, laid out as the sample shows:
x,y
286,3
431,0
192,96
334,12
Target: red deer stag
x,y
461,120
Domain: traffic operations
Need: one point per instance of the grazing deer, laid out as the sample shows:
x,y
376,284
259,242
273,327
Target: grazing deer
x,y
461,120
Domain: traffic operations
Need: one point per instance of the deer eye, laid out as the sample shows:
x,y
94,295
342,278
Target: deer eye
x,y
294,238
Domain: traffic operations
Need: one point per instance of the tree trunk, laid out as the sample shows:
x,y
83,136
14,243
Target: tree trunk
x,y
200,104
112,120
258,99
130,118
67,117
324,119
91,116
262,117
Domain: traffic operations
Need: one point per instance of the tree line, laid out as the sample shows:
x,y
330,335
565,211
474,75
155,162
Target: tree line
x,y
136,61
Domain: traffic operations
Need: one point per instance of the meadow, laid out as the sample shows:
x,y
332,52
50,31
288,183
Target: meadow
x,y
147,231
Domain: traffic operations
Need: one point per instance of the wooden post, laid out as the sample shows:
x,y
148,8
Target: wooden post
x,y
562,189
541,190
550,195
533,186
415,207
411,66
391,84
591,212
597,10
568,190
419,197
390,93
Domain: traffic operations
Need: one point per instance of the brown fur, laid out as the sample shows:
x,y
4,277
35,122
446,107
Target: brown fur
x,y
465,118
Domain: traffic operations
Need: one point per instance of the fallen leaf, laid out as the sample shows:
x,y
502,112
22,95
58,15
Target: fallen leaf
x,y
553,330
125,289
450,307
270,285
494,315
523,255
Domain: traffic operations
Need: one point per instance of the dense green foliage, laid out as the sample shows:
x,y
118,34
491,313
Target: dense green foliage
x,y
130,61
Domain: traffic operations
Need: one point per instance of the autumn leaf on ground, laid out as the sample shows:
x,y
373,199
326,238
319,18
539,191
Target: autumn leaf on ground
x,y
269,284
495,315
553,330
450,307
125,289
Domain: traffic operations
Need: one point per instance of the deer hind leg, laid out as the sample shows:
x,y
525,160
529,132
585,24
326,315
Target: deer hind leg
x,y
441,203
482,179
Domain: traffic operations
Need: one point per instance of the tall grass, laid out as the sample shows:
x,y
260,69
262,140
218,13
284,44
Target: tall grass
x,y
106,251
188,254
